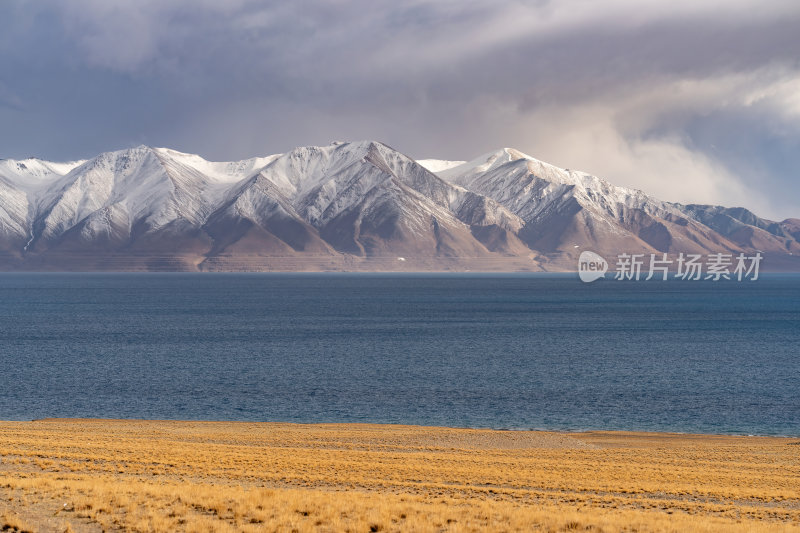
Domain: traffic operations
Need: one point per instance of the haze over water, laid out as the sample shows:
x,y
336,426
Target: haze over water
x,y
482,350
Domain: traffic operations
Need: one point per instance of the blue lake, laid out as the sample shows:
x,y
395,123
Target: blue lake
x,y
478,350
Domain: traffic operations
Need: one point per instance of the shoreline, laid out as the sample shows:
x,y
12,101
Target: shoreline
x,y
573,432
127,475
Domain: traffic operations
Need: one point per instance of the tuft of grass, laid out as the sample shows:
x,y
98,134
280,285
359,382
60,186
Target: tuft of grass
x,y
13,524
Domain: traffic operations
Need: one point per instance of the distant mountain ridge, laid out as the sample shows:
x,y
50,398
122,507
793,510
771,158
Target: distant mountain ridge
x,y
348,206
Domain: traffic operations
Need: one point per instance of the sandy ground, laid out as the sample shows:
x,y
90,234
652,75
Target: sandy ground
x,y
112,475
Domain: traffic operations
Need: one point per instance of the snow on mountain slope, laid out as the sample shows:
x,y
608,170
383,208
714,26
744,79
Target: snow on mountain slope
x,y
567,210
528,186
13,213
21,183
118,195
438,165
226,172
256,217
32,174
323,181
356,195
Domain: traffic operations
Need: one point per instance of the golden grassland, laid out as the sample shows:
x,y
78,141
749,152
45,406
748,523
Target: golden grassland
x,y
113,475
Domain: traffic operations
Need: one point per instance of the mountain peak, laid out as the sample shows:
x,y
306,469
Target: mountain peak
x,y
497,158
515,154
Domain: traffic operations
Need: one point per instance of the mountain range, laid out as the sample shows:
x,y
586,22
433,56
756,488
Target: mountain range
x,y
349,206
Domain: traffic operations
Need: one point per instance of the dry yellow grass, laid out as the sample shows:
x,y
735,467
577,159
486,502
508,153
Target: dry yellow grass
x,y
94,475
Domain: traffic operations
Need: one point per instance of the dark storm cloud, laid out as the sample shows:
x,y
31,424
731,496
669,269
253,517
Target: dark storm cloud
x,y
687,100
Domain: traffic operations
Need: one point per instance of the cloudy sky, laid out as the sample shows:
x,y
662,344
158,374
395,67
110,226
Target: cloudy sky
x,y
693,101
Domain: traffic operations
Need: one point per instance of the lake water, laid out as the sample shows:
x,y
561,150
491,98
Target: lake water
x,y
475,350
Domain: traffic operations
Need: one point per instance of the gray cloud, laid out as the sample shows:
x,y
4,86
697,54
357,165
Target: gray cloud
x,y
691,101
9,99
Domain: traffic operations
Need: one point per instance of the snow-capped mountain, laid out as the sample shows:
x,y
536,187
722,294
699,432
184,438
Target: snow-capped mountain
x,y
356,205
21,184
360,198
564,211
